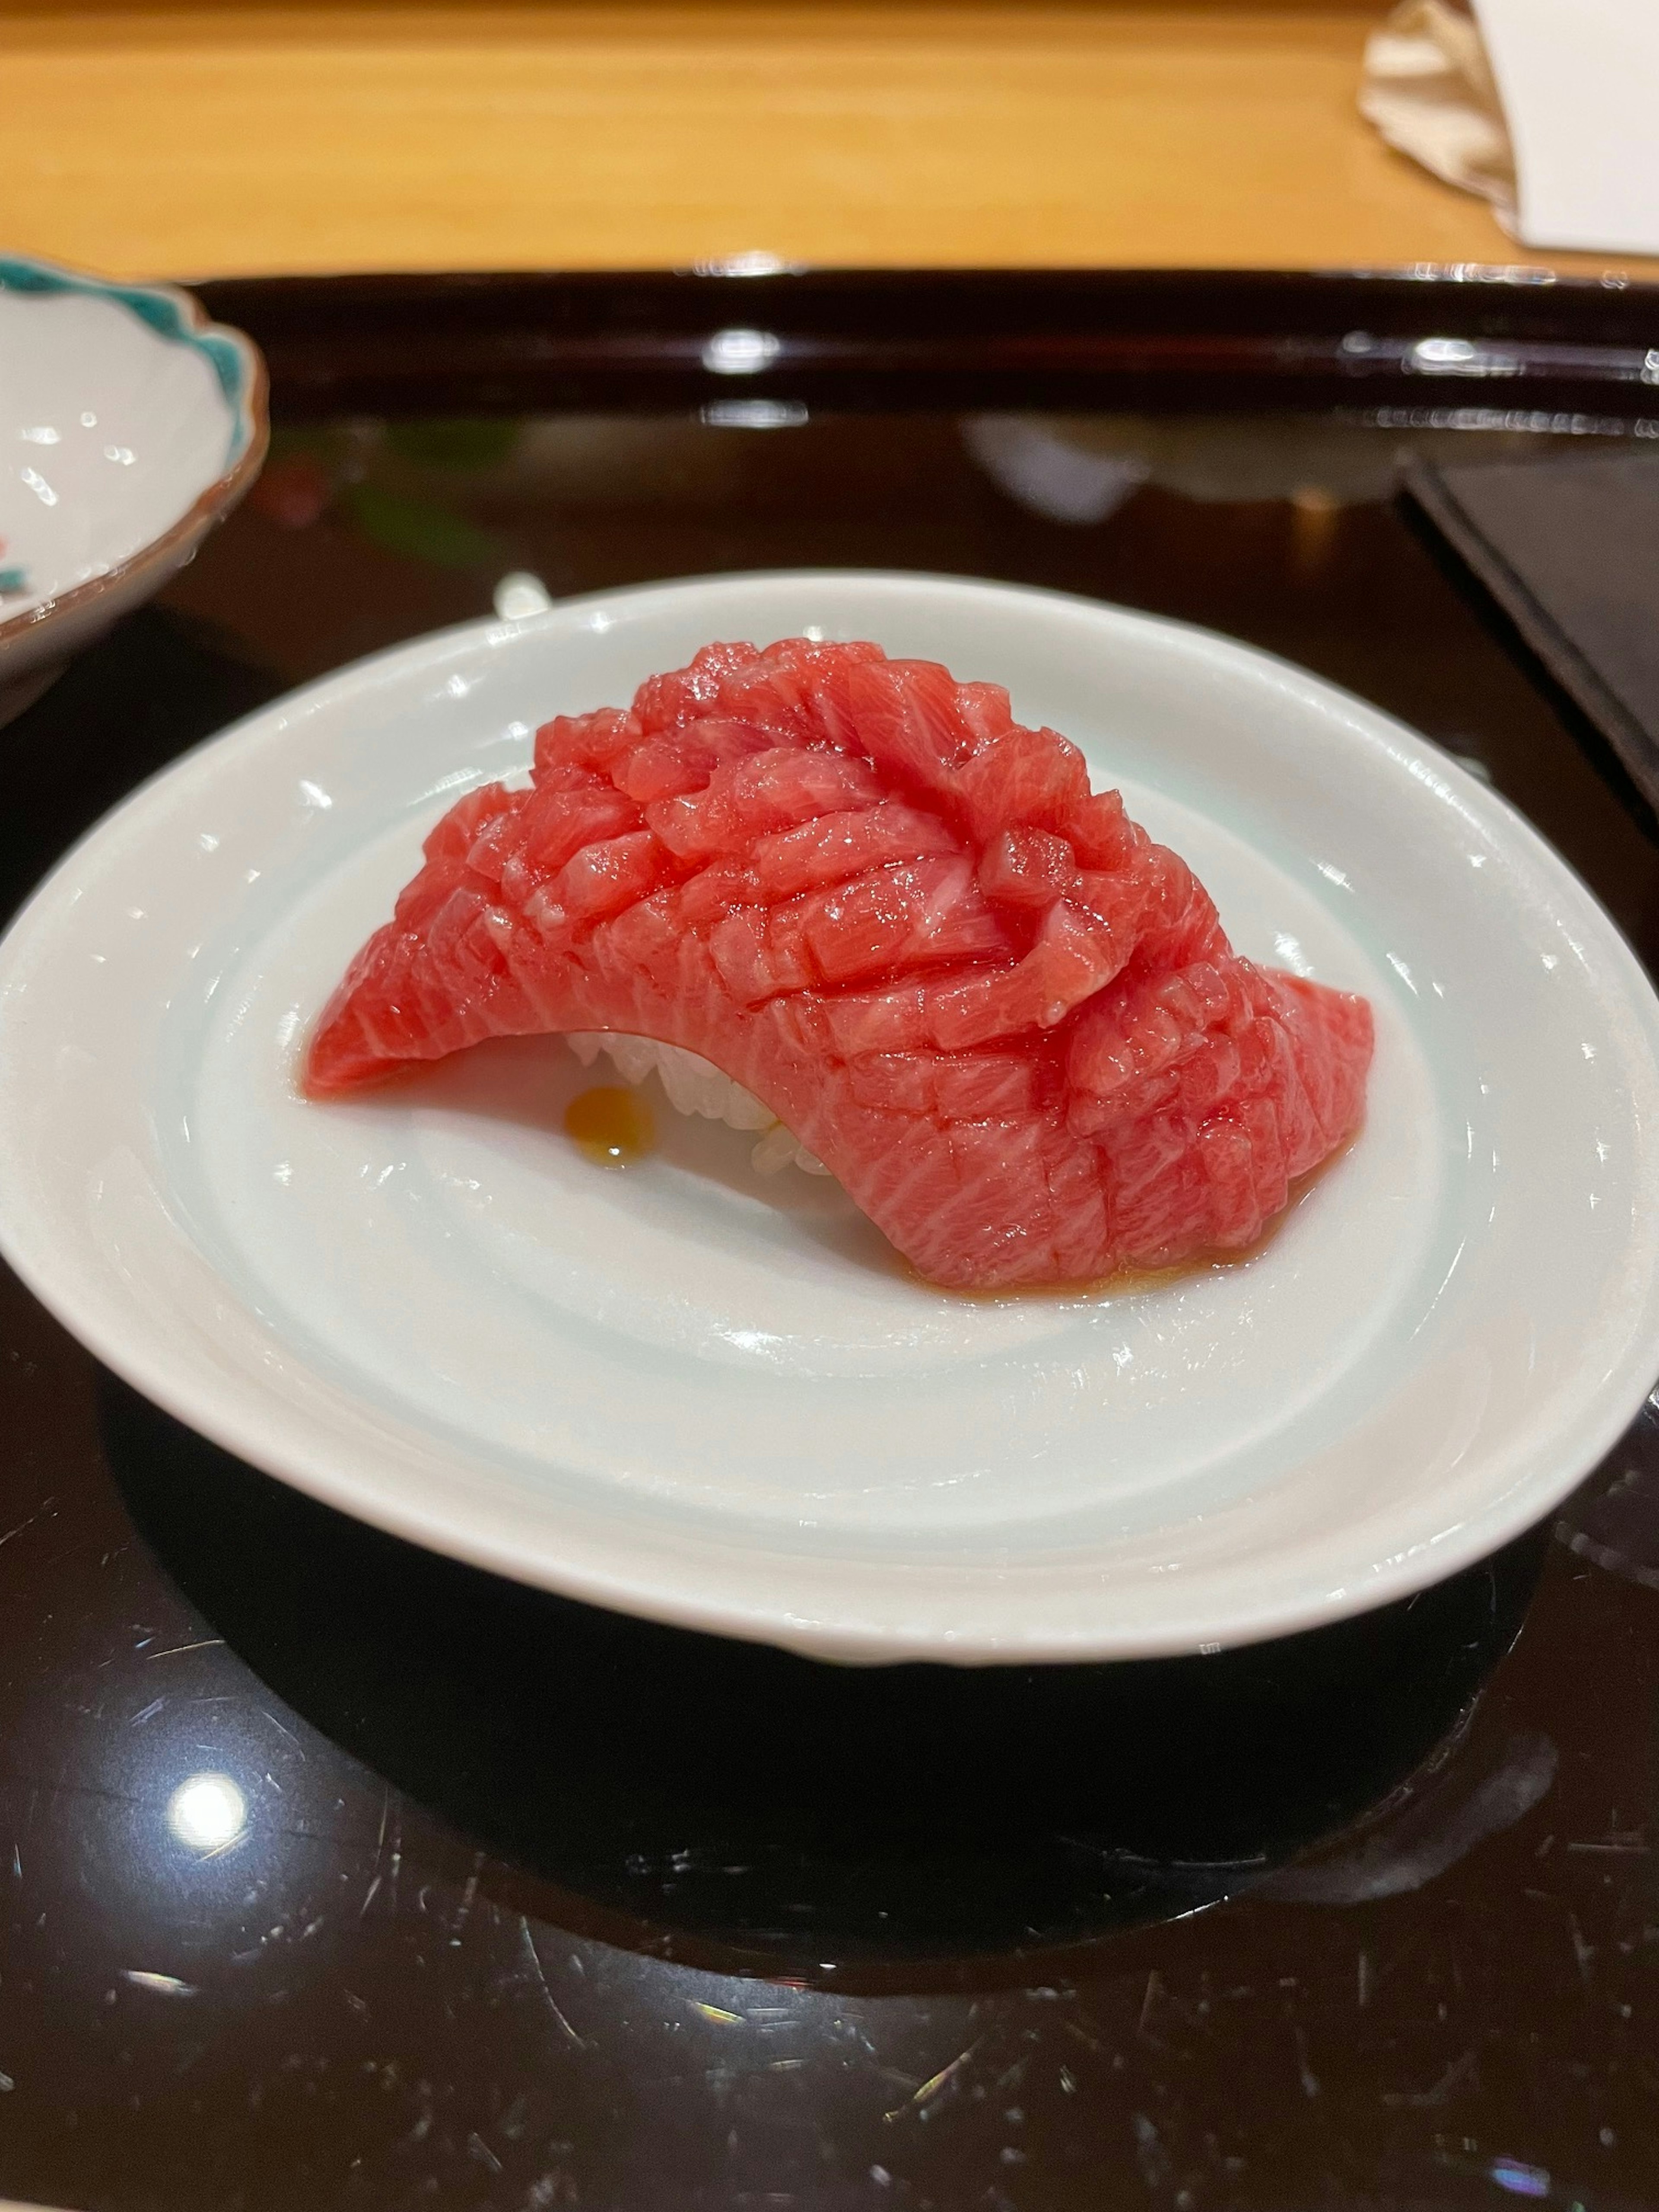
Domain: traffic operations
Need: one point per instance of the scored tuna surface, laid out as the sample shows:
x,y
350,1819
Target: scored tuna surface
x,y
1003,1018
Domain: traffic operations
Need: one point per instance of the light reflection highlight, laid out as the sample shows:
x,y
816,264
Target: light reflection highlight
x,y
1520,2179
741,352
207,1811
754,415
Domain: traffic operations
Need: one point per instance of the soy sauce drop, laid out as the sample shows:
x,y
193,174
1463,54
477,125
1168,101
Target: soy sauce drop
x,y
611,1124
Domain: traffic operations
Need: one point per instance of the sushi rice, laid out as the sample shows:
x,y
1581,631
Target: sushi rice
x,y
695,1086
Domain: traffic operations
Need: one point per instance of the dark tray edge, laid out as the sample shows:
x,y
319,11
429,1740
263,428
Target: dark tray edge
x,y
1515,344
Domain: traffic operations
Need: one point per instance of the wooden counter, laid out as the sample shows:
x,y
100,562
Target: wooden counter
x,y
244,139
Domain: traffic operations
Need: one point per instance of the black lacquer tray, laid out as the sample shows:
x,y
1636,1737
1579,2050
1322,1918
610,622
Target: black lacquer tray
x,y
526,1906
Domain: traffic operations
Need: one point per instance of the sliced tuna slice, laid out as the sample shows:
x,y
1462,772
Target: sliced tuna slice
x,y
1009,1023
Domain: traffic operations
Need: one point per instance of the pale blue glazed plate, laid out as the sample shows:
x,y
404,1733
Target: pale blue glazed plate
x,y
696,1394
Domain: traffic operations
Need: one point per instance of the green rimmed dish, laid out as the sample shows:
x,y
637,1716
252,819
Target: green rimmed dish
x,y
130,425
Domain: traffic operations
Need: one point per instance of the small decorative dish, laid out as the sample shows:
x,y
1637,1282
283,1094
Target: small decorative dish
x,y
130,425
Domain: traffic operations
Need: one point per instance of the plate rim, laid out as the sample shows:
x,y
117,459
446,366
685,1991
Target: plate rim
x,y
71,1294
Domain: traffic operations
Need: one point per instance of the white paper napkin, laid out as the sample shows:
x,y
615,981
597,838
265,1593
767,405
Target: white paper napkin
x,y
1549,108
1579,84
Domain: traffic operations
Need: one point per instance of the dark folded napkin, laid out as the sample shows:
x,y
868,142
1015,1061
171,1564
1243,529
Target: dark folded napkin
x,y
1570,551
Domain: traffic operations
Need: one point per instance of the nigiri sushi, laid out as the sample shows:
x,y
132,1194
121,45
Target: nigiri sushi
x,y
900,925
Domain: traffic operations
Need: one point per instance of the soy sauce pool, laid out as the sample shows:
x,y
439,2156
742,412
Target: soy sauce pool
x,y
611,1124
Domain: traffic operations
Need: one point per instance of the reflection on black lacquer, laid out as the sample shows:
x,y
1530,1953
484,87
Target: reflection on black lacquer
x,y
128,705
808,1814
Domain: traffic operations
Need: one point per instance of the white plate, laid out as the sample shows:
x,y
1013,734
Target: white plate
x,y
692,1394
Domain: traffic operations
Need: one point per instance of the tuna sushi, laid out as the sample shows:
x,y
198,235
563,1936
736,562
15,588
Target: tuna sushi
x,y
859,900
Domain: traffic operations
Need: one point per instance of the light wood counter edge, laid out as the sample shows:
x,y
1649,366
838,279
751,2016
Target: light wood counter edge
x,y
645,135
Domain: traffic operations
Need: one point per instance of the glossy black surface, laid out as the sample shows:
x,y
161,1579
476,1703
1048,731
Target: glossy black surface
x,y
1463,338
530,1906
